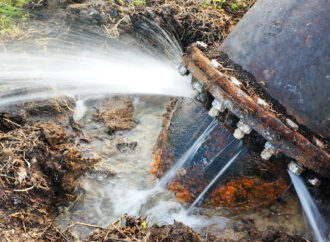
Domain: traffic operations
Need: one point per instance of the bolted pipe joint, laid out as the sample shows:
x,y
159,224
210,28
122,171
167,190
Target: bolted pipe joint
x,y
238,134
268,151
217,107
198,89
244,127
241,130
295,168
183,70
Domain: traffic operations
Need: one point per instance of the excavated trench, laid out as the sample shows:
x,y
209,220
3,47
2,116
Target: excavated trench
x,y
74,166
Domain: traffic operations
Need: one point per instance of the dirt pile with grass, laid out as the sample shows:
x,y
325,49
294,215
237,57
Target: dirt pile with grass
x,y
39,163
116,115
193,20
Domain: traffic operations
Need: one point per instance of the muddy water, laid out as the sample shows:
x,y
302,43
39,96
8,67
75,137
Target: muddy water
x,y
132,189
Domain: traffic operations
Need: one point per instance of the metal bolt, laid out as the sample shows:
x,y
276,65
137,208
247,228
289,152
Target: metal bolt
x,y
238,134
215,63
262,102
318,143
292,124
295,168
236,82
213,112
183,70
268,151
198,88
201,45
244,127
315,182
218,105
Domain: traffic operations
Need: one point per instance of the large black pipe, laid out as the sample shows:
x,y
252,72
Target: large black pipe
x,y
285,43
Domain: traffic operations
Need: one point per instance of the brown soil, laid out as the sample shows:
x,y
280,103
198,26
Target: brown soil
x,y
129,228
40,163
193,20
116,115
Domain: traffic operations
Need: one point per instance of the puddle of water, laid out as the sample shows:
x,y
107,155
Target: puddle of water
x,y
106,199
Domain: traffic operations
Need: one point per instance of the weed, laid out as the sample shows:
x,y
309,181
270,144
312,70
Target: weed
x,y
11,12
139,3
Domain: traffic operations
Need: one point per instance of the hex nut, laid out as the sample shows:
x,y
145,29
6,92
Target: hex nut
x,y
295,168
244,127
239,134
213,112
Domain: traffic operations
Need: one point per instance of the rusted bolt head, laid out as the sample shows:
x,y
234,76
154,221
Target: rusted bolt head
x,y
201,45
268,151
215,63
314,181
295,168
218,105
239,134
183,70
213,112
292,124
244,127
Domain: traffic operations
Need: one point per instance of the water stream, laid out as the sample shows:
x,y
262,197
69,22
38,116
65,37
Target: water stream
x,y
213,181
313,215
188,155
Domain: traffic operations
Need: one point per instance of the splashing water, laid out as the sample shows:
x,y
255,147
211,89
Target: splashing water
x,y
134,190
314,217
214,180
79,73
142,197
81,64
188,155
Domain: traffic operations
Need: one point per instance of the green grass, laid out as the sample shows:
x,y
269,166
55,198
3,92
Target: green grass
x,y
11,12
139,3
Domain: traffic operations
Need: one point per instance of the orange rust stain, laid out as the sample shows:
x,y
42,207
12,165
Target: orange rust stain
x,y
248,192
156,168
181,194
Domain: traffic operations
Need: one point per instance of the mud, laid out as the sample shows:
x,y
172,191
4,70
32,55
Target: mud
x,y
40,163
128,228
116,115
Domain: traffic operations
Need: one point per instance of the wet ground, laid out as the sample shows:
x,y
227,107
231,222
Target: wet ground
x,y
126,188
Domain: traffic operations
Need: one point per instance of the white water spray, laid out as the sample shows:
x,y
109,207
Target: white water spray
x,y
188,155
314,217
87,73
214,180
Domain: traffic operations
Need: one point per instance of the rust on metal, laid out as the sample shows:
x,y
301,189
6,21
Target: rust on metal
x,y
265,122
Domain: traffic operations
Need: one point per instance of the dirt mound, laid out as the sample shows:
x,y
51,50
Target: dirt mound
x,y
193,20
116,114
129,228
39,163
173,232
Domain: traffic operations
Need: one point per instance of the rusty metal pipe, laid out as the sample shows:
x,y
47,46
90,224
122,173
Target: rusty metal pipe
x,y
265,122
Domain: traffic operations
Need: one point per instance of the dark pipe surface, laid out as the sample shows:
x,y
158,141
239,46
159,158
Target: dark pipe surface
x,y
262,120
286,44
